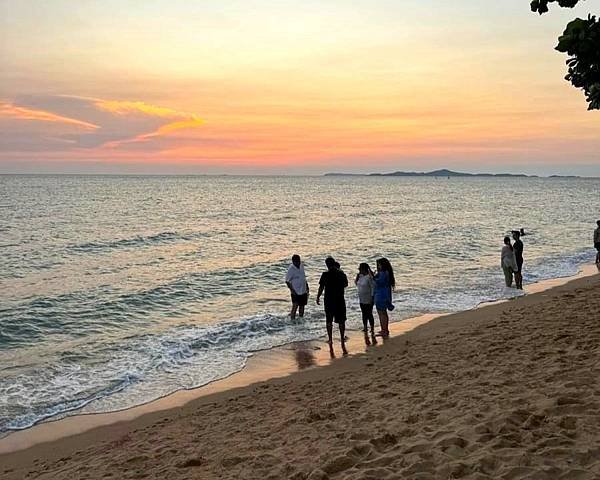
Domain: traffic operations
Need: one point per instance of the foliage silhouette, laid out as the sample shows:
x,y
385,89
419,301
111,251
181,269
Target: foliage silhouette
x,y
581,42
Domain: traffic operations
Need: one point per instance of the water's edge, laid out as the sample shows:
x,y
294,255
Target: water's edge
x,y
278,361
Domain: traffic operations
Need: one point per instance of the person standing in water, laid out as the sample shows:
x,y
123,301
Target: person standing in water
x,y
597,244
384,285
296,282
333,282
366,290
518,249
508,262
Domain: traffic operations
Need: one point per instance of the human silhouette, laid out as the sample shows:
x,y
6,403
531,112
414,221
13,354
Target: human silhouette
x,y
508,262
296,282
333,282
384,284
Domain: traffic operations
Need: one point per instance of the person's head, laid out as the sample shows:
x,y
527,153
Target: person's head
x,y
330,263
296,260
364,269
598,223
506,240
384,265
516,234
522,231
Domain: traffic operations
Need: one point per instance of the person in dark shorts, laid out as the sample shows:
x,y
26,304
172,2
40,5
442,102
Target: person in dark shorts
x,y
597,244
333,282
296,282
518,249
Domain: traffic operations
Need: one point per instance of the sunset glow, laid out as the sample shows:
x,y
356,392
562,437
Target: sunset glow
x,y
278,87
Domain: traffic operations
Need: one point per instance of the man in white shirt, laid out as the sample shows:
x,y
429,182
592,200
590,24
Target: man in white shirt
x,y
296,282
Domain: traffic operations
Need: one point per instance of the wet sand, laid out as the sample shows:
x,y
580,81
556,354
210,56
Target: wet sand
x,y
510,390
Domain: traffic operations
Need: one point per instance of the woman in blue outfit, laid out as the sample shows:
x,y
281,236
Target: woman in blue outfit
x,y
384,284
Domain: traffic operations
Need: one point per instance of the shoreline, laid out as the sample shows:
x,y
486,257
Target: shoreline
x,y
263,365
272,365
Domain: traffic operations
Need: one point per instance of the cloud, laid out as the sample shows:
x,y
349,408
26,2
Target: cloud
x,y
59,122
11,111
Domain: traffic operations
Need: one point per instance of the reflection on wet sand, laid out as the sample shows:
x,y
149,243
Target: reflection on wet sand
x,y
305,357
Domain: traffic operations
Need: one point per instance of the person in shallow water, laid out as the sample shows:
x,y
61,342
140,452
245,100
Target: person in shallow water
x,y
295,280
518,249
508,261
384,285
365,285
333,282
597,244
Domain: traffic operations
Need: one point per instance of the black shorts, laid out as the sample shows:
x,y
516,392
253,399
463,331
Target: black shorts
x,y
335,313
300,300
597,246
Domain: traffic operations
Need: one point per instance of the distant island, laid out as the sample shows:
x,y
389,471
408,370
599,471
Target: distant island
x,y
442,173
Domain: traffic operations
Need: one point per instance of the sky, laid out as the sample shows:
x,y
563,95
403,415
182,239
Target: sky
x,y
288,87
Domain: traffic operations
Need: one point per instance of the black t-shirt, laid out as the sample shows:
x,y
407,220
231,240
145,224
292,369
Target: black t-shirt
x,y
334,283
518,246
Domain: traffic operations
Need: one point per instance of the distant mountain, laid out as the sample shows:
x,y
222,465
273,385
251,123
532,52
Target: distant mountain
x,y
442,173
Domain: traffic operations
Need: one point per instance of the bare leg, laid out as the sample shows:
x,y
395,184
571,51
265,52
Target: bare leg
x,y
384,321
343,336
301,310
293,312
519,280
330,333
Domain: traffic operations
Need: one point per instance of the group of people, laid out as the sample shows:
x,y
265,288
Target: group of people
x,y
374,291
511,259
375,288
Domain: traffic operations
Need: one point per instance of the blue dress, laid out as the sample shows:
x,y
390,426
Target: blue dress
x,y
383,291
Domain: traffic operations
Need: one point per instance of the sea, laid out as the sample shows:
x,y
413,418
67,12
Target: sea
x,y
118,290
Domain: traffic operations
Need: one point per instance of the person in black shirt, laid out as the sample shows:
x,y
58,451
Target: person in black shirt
x,y
518,247
597,243
333,282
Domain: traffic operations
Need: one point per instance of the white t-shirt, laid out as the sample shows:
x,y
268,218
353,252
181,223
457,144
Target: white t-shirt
x,y
296,277
366,289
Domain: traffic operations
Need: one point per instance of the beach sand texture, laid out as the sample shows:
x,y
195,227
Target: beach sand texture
x,y
508,391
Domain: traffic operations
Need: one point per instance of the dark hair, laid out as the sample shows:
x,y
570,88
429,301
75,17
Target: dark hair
x,y
295,257
598,222
330,262
364,269
507,242
384,265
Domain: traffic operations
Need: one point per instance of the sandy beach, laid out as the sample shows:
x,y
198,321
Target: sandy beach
x,y
508,391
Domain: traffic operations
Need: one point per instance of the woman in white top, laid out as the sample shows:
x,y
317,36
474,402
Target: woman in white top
x,y
508,262
366,289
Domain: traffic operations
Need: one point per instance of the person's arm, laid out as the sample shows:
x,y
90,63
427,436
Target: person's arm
x,y
319,293
288,280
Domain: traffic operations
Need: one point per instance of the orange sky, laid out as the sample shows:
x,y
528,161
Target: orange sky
x,y
275,87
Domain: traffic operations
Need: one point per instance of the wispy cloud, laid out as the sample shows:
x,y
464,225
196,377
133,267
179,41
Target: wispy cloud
x,y
54,122
10,111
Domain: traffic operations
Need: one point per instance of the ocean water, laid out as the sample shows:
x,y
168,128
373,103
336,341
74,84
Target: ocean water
x,y
117,290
